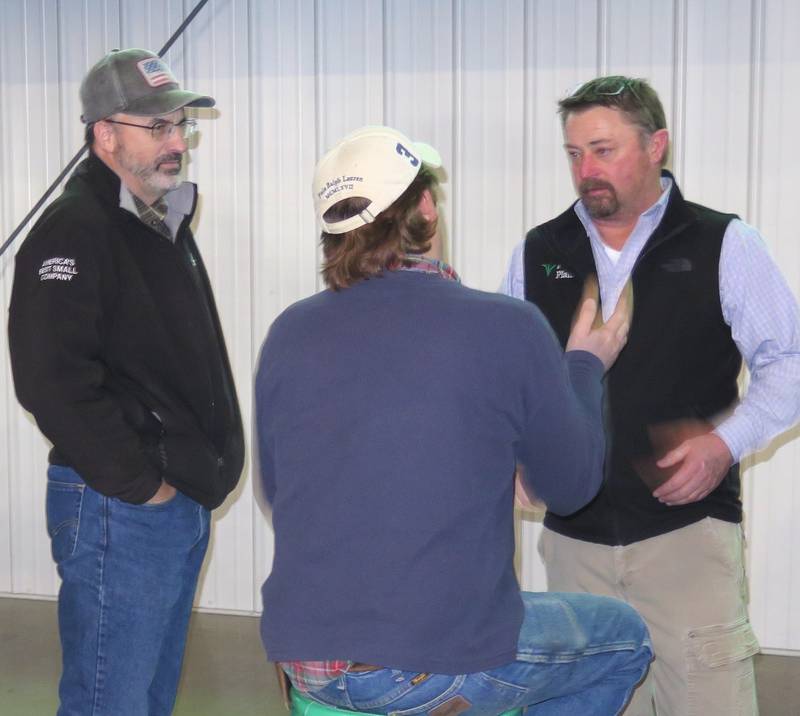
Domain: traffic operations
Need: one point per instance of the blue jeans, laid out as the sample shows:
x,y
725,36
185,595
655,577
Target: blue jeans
x,y
129,574
577,655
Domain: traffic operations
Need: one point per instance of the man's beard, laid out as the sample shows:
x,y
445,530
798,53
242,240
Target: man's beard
x,y
151,175
599,206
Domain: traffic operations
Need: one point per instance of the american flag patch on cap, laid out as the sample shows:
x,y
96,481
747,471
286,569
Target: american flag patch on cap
x,y
155,72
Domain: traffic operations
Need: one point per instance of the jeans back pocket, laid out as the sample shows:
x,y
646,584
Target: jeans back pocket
x,y
64,500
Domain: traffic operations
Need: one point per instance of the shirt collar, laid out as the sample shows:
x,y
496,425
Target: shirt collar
x,y
423,264
178,204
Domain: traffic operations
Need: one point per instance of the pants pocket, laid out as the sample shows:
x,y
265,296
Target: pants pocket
x,y
63,506
401,693
721,679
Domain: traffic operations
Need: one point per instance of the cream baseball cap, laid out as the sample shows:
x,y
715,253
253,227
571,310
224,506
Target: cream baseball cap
x,y
375,163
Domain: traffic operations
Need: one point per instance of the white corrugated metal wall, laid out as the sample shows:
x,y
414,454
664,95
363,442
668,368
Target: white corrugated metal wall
x,y
476,78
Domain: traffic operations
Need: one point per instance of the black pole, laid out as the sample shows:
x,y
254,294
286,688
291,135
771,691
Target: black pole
x,y
183,26
67,169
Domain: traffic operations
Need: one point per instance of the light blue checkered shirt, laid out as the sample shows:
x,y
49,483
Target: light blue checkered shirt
x,y
756,303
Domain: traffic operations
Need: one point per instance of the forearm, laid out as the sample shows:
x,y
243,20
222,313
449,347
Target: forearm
x,y
770,406
565,469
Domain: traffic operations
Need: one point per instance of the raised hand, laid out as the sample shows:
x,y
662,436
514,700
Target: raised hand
x,y
589,333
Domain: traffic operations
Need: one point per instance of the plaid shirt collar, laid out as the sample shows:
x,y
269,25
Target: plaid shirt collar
x,y
172,209
423,264
153,215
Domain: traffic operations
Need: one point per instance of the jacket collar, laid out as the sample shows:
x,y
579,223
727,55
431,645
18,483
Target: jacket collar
x,y
105,185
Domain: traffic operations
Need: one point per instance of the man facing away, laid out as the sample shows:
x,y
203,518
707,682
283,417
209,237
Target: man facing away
x,y
391,411
117,350
664,532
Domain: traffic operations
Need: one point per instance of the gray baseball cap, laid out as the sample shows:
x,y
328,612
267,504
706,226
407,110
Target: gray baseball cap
x,y
135,82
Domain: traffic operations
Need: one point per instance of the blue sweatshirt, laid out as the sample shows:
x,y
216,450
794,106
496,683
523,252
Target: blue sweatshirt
x,y
390,417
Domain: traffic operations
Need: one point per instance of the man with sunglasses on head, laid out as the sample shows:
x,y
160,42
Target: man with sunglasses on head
x,y
117,351
664,533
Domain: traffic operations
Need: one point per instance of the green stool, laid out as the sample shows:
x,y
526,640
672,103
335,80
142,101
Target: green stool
x,y
302,706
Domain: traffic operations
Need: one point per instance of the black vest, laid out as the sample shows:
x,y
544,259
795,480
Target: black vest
x,y
679,367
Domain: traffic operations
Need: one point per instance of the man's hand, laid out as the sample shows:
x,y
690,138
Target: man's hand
x,y
605,340
703,460
164,494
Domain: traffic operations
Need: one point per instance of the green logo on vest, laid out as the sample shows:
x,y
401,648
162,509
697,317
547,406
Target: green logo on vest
x,y
557,271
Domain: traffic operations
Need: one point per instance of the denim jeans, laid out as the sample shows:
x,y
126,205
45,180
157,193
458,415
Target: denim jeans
x,y
577,655
129,574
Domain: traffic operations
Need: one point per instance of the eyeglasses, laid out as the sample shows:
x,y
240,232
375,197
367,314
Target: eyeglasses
x,y
161,130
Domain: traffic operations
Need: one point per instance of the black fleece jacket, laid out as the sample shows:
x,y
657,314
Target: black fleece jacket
x,y
117,350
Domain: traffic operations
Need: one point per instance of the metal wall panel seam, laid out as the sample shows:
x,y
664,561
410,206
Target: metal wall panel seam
x,y
754,178
17,539
679,87
256,328
64,119
524,557
17,527
384,62
256,517
214,92
62,150
6,261
119,21
5,210
305,186
458,131
26,76
603,37
214,570
528,93
318,102
247,588
754,158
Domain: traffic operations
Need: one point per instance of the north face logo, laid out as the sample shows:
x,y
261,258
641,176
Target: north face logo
x,y
677,265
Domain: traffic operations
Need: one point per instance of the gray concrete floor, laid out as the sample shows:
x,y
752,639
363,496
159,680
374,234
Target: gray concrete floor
x,y
225,672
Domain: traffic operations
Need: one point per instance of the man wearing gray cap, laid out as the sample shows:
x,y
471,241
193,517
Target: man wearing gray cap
x,y
117,351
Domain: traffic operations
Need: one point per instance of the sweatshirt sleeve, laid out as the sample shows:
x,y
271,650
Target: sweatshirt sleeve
x,y
274,369
562,446
63,291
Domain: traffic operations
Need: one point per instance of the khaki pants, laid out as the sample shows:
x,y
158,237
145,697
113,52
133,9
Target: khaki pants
x,y
689,585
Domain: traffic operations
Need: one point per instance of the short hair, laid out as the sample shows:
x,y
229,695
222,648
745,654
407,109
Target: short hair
x,y
88,134
632,96
380,245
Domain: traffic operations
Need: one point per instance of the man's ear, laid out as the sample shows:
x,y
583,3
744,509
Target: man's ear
x,y
658,145
104,136
427,206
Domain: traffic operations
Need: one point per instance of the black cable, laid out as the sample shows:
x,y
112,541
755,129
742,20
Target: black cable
x,y
76,158
183,26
